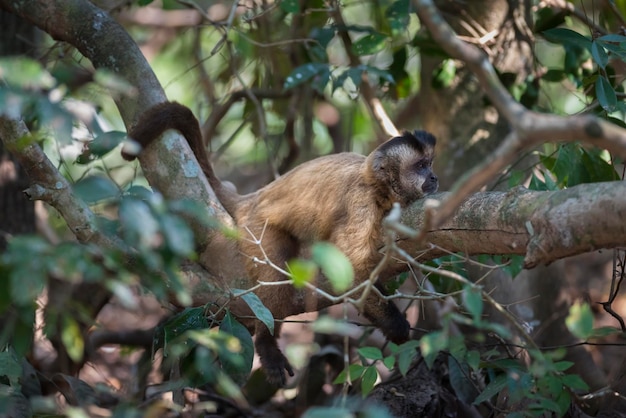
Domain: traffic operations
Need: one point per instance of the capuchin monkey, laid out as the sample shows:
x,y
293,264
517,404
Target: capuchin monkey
x,y
340,198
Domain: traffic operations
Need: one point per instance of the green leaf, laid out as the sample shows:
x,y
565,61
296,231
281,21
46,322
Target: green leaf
x,y
304,73
473,359
187,320
561,366
564,401
606,94
405,359
53,117
371,353
463,386
258,309
612,37
355,74
567,157
290,6
537,184
302,272
389,362
580,320
432,344
28,258
604,332
444,75
178,235
369,44
599,54
72,338
139,225
567,36
368,380
10,368
323,35
554,75
596,167
492,389
574,382
237,360
381,74
398,15
106,142
140,192
25,73
94,189
617,50
23,332
397,71
473,301
319,82
544,404
334,265
354,372
458,349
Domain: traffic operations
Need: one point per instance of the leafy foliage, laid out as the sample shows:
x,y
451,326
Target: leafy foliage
x,y
297,52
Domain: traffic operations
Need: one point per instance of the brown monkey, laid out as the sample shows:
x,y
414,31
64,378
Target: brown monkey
x,y
340,198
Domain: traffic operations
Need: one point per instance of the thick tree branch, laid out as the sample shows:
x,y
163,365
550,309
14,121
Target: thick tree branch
x,y
49,185
529,129
103,41
542,226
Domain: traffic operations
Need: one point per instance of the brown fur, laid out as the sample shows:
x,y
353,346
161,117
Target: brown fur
x,y
340,198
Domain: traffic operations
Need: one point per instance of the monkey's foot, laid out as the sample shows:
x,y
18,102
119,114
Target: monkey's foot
x,y
389,320
275,364
396,329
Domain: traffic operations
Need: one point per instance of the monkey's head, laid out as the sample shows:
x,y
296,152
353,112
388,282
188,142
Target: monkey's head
x,y
401,168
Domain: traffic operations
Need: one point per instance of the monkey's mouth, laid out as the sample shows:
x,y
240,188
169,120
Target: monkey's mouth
x,y
430,187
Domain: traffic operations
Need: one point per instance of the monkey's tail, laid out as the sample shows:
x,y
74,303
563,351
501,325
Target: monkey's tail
x,y
172,115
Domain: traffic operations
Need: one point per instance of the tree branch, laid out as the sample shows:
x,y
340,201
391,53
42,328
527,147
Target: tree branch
x,y
542,226
373,103
529,129
103,41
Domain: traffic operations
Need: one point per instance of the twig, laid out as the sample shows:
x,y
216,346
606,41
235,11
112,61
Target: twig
x,y
373,104
573,11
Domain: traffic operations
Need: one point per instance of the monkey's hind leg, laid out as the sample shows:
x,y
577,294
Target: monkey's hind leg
x,y
387,317
278,247
273,360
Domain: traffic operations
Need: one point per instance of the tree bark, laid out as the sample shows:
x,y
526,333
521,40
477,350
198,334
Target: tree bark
x,y
17,212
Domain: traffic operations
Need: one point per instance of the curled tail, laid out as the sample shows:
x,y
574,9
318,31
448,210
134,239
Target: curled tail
x,y
171,115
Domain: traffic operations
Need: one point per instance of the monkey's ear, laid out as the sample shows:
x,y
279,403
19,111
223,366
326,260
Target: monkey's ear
x,y
377,161
425,138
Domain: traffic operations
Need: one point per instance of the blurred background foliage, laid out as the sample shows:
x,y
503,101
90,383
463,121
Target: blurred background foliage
x,y
275,84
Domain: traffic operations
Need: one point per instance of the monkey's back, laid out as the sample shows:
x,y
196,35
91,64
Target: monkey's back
x,y
315,200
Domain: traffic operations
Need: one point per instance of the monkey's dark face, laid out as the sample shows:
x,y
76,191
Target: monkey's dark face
x,y
424,171
415,178
403,165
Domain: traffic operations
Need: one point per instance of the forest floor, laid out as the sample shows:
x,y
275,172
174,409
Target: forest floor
x,y
422,392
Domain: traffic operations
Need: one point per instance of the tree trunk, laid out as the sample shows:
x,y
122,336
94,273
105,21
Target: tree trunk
x,y
17,212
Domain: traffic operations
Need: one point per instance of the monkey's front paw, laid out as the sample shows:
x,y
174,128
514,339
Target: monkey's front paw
x,y
275,364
